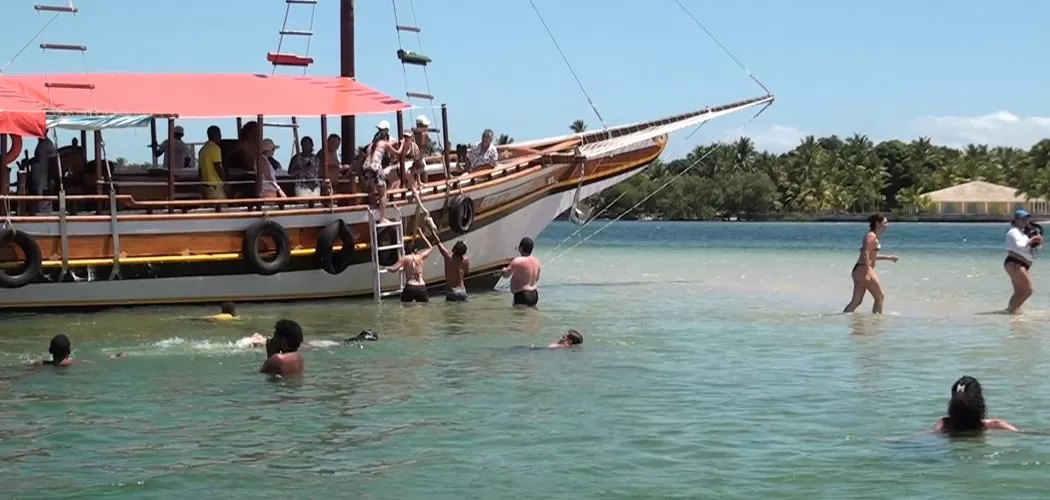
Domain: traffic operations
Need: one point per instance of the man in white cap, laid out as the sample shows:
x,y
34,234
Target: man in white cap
x,y
181,157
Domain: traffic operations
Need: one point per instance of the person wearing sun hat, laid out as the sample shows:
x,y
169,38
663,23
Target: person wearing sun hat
x,y
270,187
1019,257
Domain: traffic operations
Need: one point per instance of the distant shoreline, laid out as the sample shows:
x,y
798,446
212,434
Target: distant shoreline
x,y
954,218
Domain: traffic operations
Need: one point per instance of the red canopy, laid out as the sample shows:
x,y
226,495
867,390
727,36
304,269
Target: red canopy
x,y
25,100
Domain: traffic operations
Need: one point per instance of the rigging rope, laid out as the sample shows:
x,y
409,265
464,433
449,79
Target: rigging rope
x,y
724,49
30,42
698,161
571,70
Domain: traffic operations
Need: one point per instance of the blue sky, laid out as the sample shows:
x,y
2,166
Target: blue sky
x,y
957,71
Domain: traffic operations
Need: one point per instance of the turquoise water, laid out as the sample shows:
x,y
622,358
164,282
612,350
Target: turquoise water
x,y
715,365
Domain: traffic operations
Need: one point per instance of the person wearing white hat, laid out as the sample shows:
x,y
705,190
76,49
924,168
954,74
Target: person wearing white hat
x,y
384,125
181,156
267,167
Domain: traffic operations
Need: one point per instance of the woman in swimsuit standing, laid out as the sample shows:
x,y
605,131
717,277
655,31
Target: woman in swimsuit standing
x,y
1019,259
864,277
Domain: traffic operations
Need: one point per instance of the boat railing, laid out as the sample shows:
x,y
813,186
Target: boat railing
x,y
514,167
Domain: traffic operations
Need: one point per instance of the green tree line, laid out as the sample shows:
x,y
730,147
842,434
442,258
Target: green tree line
x,y
825,175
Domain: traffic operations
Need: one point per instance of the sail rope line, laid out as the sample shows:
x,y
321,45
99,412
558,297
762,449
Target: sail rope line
x,y
609,205
30,42
723,47
419,41
698,161
569,65
400,46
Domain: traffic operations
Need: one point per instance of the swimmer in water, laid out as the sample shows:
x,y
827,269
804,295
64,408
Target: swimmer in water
x,y
864,277
227,312
282,350
966,411
412,265
60,349
258,341
524,273
364,336
571,338
1019,259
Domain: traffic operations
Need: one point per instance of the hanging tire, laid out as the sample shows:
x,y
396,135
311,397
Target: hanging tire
x,y
386,237
461,214
331,262
30,249
250,251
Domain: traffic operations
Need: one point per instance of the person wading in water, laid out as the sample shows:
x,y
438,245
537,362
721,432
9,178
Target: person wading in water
x,y
524,272
412,265
864,277
1019,259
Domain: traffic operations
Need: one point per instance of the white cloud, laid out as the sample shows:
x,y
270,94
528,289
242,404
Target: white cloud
x,y
1001,128
773,138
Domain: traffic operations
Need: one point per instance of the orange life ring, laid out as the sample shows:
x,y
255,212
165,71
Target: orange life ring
x,y
12,154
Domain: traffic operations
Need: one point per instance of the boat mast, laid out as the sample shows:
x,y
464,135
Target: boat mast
x,y
346,69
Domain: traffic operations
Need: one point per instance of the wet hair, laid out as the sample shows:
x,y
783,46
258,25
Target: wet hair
x,y
459,249
60,347
290,334
574,337
874,220
365,335
526,246
228,308
250,131
966,409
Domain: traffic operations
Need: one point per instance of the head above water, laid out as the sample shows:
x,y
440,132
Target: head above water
x,y
459,249
1021,218
877,221
228,308
364,336
525,246
572,337
287,337
966,408
60,347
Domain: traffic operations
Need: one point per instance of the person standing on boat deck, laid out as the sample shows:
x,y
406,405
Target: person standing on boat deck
x,y
457,265
373,166
864,277
40,171
305,167
270,188
1019,259
181,156
209,163
269,154
282,350
409,151
412,265
524,273
484,155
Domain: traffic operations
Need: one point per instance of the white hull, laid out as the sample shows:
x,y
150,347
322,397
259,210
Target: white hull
x,y
489,246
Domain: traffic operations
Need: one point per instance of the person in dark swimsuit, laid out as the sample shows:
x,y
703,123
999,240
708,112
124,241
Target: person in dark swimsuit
x,y
364,336
966,412
864,278
524,273
412,265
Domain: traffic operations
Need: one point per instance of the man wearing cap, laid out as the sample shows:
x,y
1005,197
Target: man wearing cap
x,y
181,157
270,188
1019,257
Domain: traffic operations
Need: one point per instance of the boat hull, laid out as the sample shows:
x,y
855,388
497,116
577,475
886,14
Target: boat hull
x,y
491,246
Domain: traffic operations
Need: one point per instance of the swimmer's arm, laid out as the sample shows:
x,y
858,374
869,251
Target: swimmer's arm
x,y
997,424
466,266
507,271
425,253
444,251
866,254
396,267
939,426
893,258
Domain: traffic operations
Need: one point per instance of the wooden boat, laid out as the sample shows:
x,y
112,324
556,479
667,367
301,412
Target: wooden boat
x,y
117,239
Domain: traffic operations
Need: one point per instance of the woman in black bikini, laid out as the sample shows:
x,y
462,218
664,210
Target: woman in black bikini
x,y
966,412
864,277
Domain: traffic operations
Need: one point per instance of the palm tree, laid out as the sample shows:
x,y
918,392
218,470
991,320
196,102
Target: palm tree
x,y
578,126
504,139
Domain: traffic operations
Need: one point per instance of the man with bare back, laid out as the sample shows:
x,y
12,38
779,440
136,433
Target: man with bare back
x,y
282,350
524,272
457,264
412,265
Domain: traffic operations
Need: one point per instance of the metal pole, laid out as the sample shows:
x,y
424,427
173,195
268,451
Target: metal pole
x,y
400,138
324,159
97,136
167,160
447,143
346,69
258,158
5,172
153,141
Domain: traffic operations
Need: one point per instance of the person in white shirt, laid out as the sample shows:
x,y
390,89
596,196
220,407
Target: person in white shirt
x,y
484,155
1019,258
181,156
